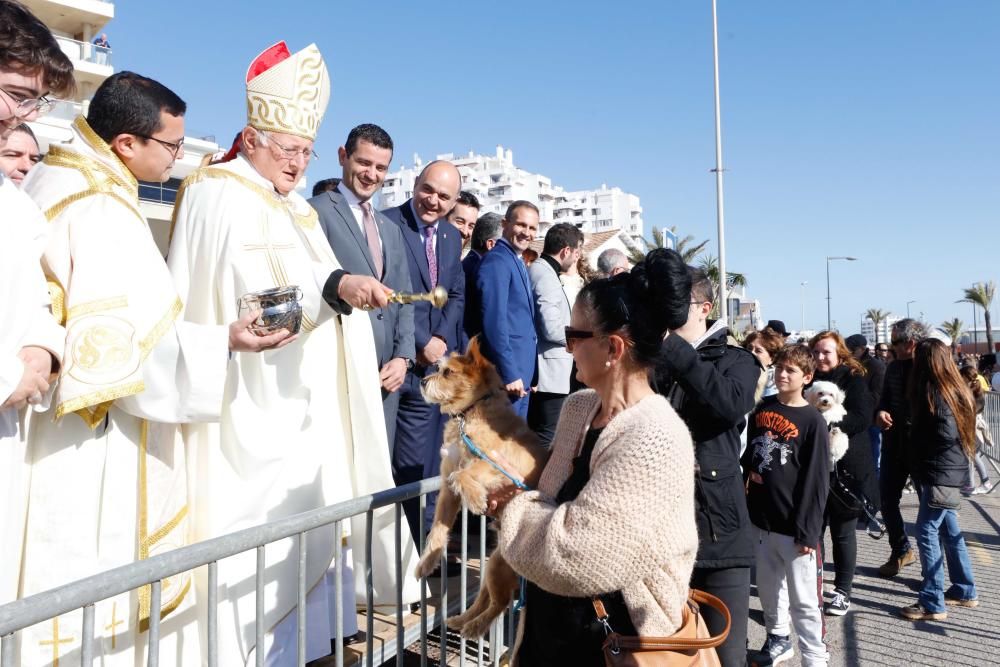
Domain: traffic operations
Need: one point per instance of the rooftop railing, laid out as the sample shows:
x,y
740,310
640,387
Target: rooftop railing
x,y
84,51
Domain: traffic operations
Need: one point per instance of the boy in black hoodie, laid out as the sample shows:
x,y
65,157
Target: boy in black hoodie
x,y
787,471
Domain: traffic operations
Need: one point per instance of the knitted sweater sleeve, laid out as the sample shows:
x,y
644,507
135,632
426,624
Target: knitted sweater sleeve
x,y
633,517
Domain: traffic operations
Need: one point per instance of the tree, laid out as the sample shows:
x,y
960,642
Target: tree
x,y
685,249
981,294
710,265
953,328
877,316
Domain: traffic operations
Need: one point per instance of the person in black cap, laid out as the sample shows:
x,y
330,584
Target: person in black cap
x,y
778,327
875,375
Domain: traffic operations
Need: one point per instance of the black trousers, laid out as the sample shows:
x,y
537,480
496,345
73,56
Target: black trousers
x,y
844,536
732,586
892,479
543,415
417,451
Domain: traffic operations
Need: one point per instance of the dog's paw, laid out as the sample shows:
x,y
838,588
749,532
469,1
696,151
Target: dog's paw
x,y
477,627
839,443
469,489
428,563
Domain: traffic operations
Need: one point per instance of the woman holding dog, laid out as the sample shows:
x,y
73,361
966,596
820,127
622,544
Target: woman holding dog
x,y
834,363
613,515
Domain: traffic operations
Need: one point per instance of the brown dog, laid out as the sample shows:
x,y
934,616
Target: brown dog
x,y
468,388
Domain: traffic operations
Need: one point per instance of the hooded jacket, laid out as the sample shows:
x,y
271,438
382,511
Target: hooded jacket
x,y
938,457
711,386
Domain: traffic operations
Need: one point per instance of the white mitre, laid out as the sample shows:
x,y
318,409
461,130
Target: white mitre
x,y
288,93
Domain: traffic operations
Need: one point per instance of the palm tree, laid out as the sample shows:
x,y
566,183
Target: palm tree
x,y
710,265
687,252
877,316
981,294
953,328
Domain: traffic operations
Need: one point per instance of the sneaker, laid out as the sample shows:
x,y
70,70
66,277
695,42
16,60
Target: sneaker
x,y
896,563
916,612
839,604
776,649
971,603
967,491
981,489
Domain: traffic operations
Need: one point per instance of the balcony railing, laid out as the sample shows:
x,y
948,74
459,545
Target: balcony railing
x,y
91,53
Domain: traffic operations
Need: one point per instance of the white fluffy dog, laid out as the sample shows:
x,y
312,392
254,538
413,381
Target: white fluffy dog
x,y
828,398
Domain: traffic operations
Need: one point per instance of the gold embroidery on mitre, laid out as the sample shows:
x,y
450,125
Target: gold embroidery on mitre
x,y
290,97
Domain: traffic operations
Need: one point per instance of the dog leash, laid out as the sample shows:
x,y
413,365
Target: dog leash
x,y
475,451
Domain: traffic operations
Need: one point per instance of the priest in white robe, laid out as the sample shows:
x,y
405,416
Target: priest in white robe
x,y
31,344
108,480
301,427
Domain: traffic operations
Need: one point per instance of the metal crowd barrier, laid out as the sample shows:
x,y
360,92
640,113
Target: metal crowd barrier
x,y
85,593
991,413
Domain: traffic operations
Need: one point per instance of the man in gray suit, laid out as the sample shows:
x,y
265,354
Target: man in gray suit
x,y
563,244
367,243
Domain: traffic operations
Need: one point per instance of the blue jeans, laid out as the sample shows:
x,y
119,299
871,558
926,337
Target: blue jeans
x,y
937,528
875,435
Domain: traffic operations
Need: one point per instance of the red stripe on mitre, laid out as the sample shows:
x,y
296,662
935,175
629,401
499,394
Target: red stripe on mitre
x,y
268,58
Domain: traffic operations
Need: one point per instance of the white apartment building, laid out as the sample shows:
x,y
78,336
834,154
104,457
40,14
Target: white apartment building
x,y
497,182
884,329
76,23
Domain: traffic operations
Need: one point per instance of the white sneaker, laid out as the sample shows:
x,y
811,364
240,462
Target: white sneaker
x,y
981,489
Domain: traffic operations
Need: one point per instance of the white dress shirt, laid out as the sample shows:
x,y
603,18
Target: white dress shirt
x,y
355,204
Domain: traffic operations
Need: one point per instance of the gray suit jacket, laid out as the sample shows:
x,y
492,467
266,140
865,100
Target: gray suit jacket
x,y
392,326
552,311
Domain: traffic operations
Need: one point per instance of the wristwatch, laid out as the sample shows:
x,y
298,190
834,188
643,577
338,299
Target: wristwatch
x,y
410,364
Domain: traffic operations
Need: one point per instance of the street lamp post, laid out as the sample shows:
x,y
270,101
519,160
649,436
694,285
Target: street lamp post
x,y
803,284
908,307
719,199
829,320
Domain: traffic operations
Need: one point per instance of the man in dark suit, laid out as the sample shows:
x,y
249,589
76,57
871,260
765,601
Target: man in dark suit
x,y
508,305
433,253
366,243
484,236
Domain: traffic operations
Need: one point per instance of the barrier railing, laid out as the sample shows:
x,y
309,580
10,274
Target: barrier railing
x,y
85,593
991,413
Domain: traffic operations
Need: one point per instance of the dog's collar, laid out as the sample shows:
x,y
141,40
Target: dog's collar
x,y
461,414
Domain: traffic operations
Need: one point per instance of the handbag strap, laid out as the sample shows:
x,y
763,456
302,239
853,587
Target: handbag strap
x,y
696,598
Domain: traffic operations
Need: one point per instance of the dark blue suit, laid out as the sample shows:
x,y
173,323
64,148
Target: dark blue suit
x,y
508,309
419,426
473,320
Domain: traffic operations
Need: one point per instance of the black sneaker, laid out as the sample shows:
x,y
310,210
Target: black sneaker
x,y
776,649
839,604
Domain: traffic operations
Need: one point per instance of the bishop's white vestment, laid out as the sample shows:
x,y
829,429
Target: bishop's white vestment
x,y
301,426
27,321
108,483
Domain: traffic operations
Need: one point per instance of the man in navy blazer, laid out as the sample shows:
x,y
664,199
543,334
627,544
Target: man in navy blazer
x,y
484,237
433,253
367,243
508,304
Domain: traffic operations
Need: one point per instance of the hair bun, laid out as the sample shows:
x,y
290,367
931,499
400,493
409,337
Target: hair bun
x,y
661,283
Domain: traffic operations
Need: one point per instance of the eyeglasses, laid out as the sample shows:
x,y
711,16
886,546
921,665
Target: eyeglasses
x,y
881,349
573,336
25,107
291,153
898,341
172,147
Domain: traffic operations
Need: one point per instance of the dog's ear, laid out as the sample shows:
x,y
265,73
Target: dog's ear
x,y
474,353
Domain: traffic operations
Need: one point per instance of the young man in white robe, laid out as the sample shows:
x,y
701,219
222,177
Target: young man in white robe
x,y
108,480
31,341
302,427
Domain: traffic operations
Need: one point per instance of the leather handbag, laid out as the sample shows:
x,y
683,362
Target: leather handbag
x,y
691,646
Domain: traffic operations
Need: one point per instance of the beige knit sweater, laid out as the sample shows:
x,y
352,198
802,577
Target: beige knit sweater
x,y
632,527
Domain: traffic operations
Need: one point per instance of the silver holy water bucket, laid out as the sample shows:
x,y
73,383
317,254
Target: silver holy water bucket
x,y
279,309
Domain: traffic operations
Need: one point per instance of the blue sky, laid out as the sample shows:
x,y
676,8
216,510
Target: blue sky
x,y
865,128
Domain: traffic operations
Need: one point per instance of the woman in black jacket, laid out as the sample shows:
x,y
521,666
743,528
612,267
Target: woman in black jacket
x,y
834,363
942,440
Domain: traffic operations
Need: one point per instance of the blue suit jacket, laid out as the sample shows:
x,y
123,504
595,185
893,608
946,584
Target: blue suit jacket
x,y
473,321
508,310
428,321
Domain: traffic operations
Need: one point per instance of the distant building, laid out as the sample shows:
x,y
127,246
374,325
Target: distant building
x,y
884,329
75,24
497,182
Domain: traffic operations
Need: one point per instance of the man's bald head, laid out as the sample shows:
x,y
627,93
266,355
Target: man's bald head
x,y
436,190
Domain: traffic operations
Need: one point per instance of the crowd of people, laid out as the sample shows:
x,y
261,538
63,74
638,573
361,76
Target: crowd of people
x,y
145,410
